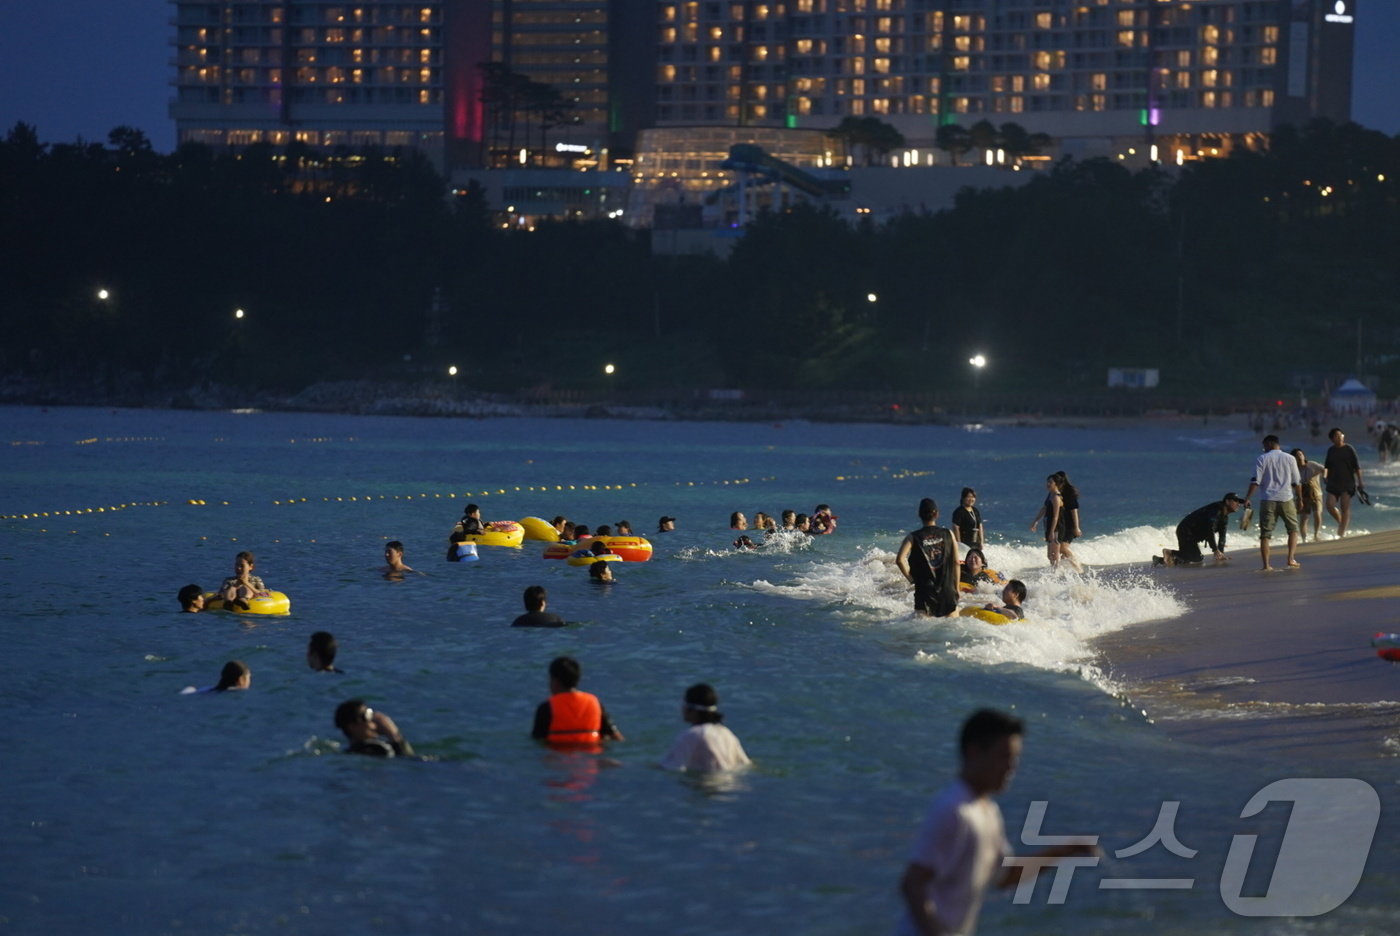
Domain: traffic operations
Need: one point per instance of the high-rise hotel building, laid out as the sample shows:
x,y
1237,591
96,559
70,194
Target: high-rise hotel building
x,y
1074,69
378,72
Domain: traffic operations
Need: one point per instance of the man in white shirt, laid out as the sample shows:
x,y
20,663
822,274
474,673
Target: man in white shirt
x,y
1279,484
962,842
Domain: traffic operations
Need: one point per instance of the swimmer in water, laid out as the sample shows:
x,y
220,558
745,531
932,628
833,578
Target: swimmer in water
x,y
737,521
707,746
600,572
191,599
571,716
394,566
235,675
744,543
371,733
536,600
666,524
320,653
1011,597
471,522
624,528
243,584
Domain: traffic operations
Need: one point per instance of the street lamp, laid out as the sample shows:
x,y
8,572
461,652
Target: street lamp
x,y
104,295
609,369
978,362
452,371
871,297
238,313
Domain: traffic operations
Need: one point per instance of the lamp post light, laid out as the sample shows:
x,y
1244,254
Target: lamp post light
x,y
978,362
452,371
104,295
238,313
609,369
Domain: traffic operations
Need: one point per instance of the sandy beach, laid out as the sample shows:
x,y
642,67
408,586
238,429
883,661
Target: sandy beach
x,y
1280,663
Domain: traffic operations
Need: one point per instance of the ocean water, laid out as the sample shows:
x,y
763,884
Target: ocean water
x,y
130,808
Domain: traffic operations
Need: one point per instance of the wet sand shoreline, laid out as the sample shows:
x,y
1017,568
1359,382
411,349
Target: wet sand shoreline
x,y
1280,663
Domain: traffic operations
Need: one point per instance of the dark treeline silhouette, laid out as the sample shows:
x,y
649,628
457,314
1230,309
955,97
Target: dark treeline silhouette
x,y
1228,275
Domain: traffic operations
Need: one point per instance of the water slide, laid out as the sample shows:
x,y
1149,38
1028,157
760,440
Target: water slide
x,y
749,158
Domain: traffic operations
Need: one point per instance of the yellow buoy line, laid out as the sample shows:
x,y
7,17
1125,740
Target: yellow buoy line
x,y
451,495
93,441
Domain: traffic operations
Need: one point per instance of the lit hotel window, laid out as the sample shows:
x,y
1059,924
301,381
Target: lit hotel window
x,y
962,24
858,87
1099,101
884,24
425,15
804,46
1018,104
425,76
1266,97
668,14
761,11
1042,60
998,83
961,63
882,46
425,56
668,35
714,53
804,105
760,53
668,73
881,66
425,96
1207,98
1183,59
1209,78
962,43
1125,38
960,105
1210,55
716,32
1040,81
357,75
1018,83
1125,18
1268,56
1042,20
1271,34
1210,35
1098,81
691,11
1183,78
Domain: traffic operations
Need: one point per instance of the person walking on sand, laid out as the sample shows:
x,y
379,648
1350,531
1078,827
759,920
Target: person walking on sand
x,y
934,572
1310,506
1341,473
1277,480
961,847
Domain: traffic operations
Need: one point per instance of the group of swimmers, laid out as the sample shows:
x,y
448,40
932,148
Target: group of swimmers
x,y
819,522
570,719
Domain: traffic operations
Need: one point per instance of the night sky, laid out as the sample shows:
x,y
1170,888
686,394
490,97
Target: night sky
x,y
78,68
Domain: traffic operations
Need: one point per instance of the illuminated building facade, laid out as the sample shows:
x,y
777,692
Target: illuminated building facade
x,y
1078,70
324,74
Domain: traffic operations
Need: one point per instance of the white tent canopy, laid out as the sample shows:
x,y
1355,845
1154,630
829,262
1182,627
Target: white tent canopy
x,y
1353,397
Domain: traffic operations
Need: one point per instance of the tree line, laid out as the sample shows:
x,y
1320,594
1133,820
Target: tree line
x,y
1229,275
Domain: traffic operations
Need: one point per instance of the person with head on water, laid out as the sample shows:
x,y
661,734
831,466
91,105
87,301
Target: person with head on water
x,y
371,733
191,599
928,558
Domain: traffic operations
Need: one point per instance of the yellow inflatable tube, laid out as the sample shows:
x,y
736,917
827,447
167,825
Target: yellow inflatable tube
x,y
274,602
583,558
499,533
982,614
539,529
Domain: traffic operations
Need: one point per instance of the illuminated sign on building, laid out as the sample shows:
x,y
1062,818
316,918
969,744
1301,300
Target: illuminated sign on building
x,y
1339,14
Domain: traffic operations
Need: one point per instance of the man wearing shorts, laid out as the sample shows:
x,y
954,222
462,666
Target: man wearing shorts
x,y
1277,480
934,569
1341,473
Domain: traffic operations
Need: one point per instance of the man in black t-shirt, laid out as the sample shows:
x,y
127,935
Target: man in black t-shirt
x,y
934,566
1342,476
535,614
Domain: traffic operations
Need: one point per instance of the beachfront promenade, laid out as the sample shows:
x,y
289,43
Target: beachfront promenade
x,y
1276,662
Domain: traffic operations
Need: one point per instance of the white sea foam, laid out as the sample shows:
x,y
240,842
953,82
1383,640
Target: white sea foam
x,y
1065,611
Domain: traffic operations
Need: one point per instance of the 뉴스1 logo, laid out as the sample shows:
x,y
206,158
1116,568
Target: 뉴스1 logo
x,y
1319,862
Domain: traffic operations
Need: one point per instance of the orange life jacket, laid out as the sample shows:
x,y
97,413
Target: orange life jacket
x,y
575,718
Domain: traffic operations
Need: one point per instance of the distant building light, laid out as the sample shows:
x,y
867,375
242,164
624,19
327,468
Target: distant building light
x,y
571,148
1341,15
